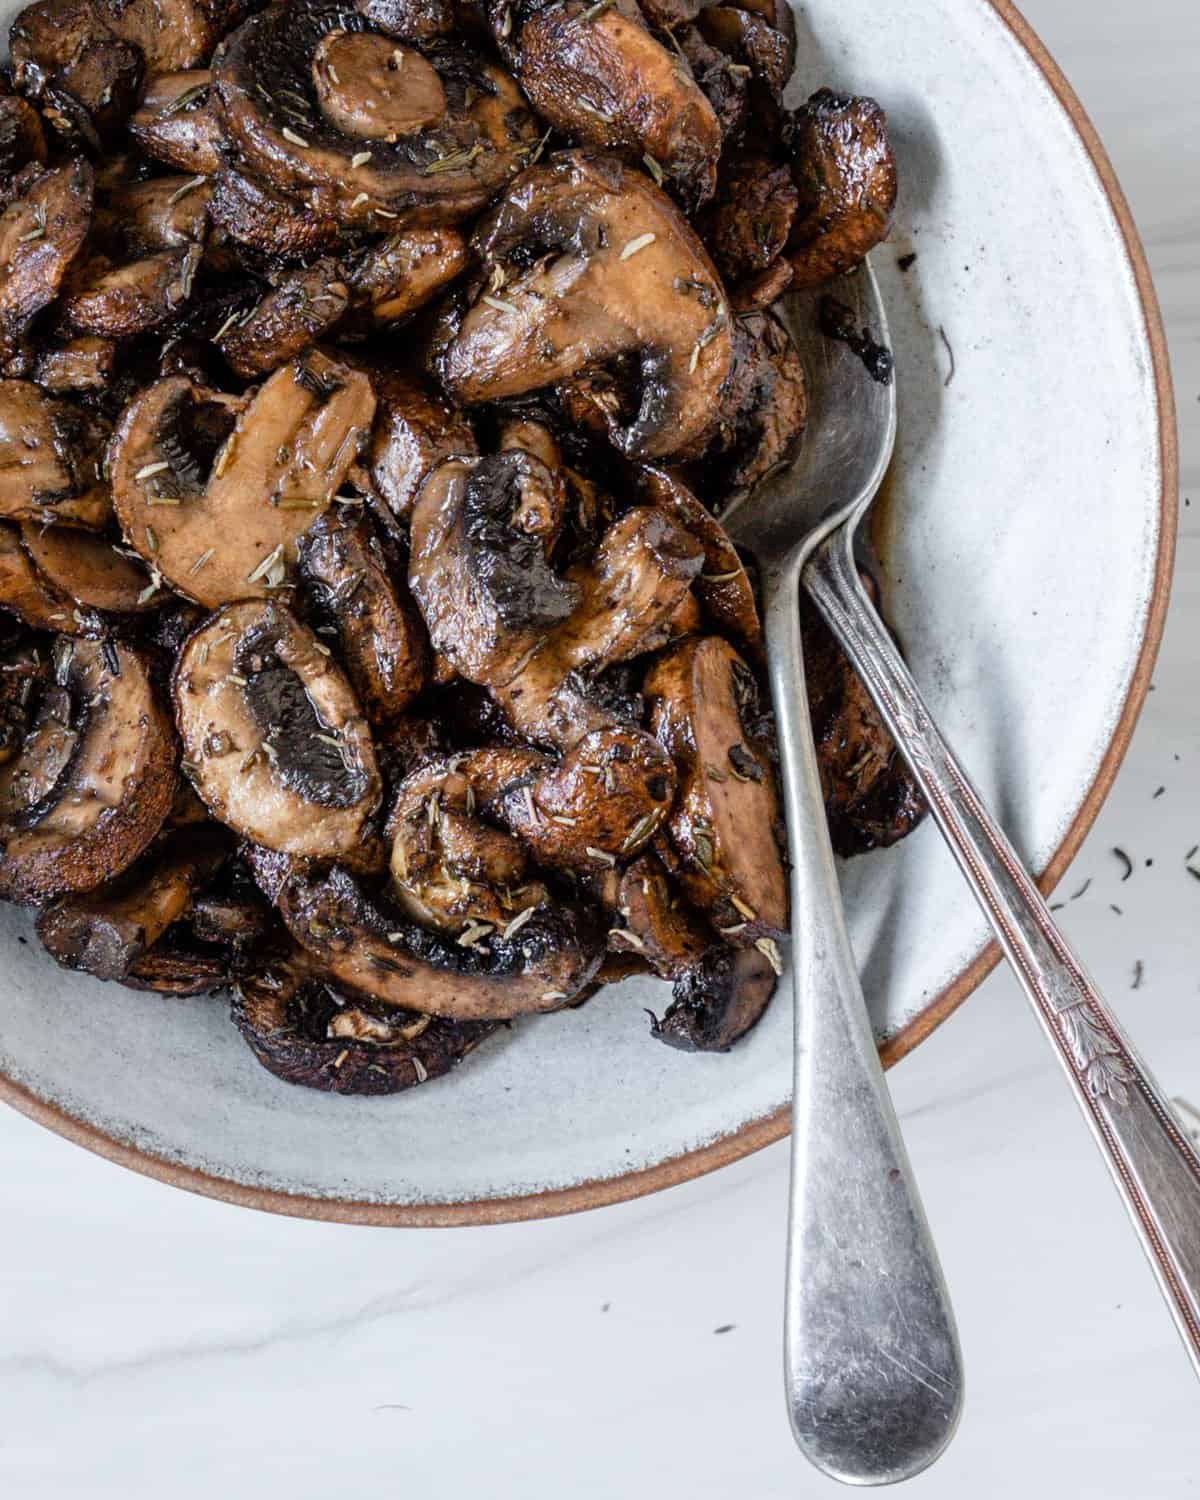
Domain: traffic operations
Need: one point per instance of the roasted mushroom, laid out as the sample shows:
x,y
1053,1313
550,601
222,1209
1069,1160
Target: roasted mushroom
x,y
227,486
361,127
104,931
177,122
589,261
267,223
83,364
357,939
96,575
766,47
29,595
22,139
598,75
90,790
120,301
49,459
415,429
274,739
726,826
302,307
179,966
308,1029
364,595
69,60
747,226
719,999
844,168
42,229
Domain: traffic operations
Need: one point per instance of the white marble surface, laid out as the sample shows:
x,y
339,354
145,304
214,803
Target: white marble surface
x,y
152,1343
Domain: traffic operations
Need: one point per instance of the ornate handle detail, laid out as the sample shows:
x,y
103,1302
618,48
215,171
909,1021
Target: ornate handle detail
x,y
1155,1167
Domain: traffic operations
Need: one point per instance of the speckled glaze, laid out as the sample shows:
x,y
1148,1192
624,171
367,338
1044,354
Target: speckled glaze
x,y
1028,533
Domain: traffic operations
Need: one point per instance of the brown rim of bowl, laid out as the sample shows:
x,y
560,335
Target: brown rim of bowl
x,y
757,1133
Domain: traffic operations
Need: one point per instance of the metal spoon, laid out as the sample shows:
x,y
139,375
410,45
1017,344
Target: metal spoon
x,y
1154,1166
871,1359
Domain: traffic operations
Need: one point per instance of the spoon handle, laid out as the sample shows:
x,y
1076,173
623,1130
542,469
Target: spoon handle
x,y
1155,1167
871,1357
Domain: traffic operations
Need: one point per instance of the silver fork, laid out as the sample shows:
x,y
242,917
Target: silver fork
x,y
1154,1166
871,1359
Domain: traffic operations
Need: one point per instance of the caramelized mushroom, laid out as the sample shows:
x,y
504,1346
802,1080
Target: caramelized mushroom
x,y
589,261
274,740
398,275
104,931
725,826
22,139
23,673
766,47
844,168
359,941
78,365
68,59
176,122
49,459
652,922
27,593
228,486
80,805
747,226
42,229
266,222
365,597
598,75
304,305
415,429
96,575
123,300
179,966
718,1000
309,1030
321,107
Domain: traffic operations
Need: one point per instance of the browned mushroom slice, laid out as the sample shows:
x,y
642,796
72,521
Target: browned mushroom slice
x,y
844,168
304,305
381,635
723,588
232,918
122,301
321,107
601,77
66,57
165,213
274,740
766,48
27,593
42,230
871,799
309,1030
403,272
227,488
763,412
415,429
652,922
168,45
758,292
104,931
603,803
616,271
267,222
726,822
356,939
23,672
724,83
81,364
718,1000
450,870
22,139
49,459
90,570
179,966
176,122
114,788
747,226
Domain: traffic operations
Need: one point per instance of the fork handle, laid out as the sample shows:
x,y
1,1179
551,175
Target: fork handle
x,y
1155,1168
871,1358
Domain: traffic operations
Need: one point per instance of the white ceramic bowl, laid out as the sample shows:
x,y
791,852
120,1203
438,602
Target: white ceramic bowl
x,y
1028,545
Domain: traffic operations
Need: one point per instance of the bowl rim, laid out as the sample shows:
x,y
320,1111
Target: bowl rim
x,y
754,1134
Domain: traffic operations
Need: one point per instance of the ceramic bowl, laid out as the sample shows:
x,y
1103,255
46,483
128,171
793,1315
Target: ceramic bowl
x,y
1028,538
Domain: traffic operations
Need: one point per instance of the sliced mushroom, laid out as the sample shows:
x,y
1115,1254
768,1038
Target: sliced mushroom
x,y
267,222
380,633
176,122
356,939
181,38
415,429
846,173
23,673
49,459
227,487
78,365
321,107
98,576
304,305
309,1030
66,57
123,300
758,292
164,213
599,76
42,230
652,922
27,593
723,82
723,587
274,740
718,1000
402,273
22,139
231,915
766,47
104,931
726,821
112,791
179,966
593,262
747,226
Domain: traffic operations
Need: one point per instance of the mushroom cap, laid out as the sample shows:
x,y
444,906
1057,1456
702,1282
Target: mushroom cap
x,y
271,84
115,787
42,230
305,304
614,270
266,222
718,1000
396,276
177,123
228,486
274,739
49,459
415,429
